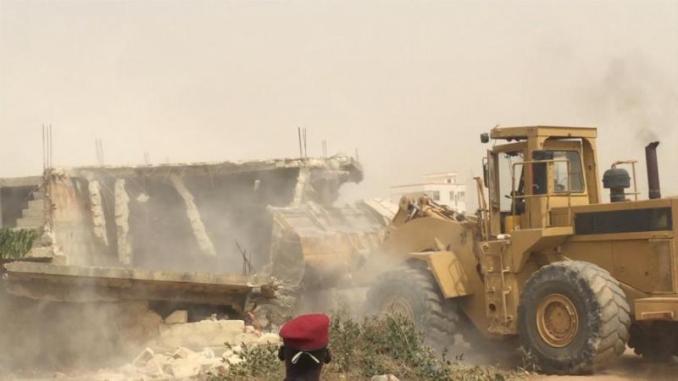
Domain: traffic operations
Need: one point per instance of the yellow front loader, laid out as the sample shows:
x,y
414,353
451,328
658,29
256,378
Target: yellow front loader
x,y
545,259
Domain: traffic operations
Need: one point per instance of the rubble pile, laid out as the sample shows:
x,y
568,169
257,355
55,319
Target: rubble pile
x,y
186,351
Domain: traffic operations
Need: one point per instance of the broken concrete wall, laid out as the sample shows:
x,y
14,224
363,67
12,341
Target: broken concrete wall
x,y
198,217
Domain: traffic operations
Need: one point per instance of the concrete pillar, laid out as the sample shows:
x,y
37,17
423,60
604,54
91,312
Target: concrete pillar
x,y
194,217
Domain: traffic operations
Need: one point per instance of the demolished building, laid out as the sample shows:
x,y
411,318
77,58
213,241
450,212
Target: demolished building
x,y
204,234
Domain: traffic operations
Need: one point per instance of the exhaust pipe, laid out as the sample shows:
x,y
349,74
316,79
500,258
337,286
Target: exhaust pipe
x,y
652,170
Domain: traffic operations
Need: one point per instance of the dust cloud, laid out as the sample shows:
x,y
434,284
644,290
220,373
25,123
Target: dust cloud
x,y
409,86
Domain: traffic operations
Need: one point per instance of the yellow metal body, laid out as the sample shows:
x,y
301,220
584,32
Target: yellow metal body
x,y
484,261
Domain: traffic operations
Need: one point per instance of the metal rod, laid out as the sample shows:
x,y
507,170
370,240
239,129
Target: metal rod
x,y
44,165
301,151
305,146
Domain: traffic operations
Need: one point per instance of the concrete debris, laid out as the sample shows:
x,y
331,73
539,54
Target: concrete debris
x,y
97,211
208,334
182,362
177,317
148,223
144,357
122,222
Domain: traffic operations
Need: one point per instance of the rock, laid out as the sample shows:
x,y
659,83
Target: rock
x,y
268,338
202,334
183,368
145,356
183,353
385,377
177,317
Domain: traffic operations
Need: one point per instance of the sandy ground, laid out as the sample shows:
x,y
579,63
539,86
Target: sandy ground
x,y
629,367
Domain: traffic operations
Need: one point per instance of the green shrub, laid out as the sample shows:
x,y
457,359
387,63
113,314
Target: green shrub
x,y
258,362
15,243
360,350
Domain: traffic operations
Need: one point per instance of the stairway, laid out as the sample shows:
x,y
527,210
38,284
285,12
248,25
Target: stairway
x,y
33,217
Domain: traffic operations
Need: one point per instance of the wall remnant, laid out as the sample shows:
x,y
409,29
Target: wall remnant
x,y
181,232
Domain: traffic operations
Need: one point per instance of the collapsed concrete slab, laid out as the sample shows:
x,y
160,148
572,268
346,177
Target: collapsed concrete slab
x,y
171,232
86,284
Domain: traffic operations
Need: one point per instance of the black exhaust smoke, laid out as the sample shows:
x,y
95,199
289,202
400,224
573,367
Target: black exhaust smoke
x,y
652,170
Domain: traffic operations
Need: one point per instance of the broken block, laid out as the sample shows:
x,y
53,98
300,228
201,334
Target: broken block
x,y
177,317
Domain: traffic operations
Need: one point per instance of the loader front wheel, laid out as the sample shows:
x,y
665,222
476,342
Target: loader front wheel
x,y
573,318
411,291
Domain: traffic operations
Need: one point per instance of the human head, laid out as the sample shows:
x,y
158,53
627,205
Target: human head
x,y
304,350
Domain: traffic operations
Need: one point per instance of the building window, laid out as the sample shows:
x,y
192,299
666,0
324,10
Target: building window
x,y
435,195
460,196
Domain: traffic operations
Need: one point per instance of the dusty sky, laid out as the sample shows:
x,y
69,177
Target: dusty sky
x,y
409,84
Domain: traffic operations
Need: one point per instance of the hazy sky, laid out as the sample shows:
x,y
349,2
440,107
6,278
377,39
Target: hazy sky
x,y
410,84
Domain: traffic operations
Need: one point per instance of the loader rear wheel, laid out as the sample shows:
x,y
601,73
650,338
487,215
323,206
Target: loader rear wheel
x,y
412,292
573,318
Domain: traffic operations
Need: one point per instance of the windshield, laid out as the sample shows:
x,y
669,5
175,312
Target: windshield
x,y
562,180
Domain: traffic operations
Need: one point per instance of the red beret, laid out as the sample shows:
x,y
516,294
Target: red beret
x,y
306,332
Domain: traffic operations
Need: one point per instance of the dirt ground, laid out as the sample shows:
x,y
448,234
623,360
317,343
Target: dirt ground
x,y
629,367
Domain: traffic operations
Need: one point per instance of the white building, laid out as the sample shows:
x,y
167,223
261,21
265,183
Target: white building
x,y
442,188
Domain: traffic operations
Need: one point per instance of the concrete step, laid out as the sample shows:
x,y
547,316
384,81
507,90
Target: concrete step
x,y
36,204
33,212
30,222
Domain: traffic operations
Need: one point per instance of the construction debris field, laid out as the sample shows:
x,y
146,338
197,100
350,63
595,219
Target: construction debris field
x,y
115,252
93,298
474,191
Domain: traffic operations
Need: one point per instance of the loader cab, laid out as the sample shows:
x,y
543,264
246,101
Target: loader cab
x,y
533,171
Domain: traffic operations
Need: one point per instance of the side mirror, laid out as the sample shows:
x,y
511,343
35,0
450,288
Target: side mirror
x,y
484,137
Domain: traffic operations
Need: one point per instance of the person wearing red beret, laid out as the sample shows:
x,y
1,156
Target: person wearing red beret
x,y
304,350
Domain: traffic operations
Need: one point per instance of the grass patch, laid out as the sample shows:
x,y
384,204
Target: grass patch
x,y
360,350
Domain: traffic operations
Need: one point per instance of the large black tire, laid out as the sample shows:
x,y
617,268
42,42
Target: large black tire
x,y
573,318
412,291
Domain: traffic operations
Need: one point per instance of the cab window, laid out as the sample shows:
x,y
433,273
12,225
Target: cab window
x,y
563,181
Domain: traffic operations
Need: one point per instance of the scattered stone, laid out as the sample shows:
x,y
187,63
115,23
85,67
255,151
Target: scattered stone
x,y
183,368
202,334
183,353
191,354
177,317
145,356
269,338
